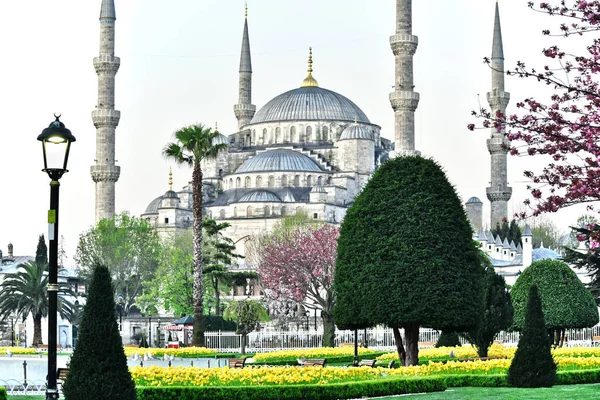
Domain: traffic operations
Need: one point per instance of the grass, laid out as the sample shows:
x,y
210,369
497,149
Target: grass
x,y
470,393
26,397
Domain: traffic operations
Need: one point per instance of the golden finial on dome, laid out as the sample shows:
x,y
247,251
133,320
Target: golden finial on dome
x,y
170,178
216,127
309,81
246,11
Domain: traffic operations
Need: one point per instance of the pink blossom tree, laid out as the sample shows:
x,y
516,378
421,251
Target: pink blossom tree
x,y
298,266
565,126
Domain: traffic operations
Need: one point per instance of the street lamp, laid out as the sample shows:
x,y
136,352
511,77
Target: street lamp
x,y
56,142
119,308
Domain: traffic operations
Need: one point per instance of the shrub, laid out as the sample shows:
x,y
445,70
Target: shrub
x,y
448,339
99,366
578,377
496,380
533,365
350,390
3,394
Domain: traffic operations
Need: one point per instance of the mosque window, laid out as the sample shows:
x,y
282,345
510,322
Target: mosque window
x,y
267,211
265,135
277,135
238,182
249,211
271,181
222,214
320,180
315,216
308,133
235,212
284,180
309,180
297,181
230,183
259,181
329,180
325,133
299,210
283,210
166,220
254,136
248,182
293,134
220,173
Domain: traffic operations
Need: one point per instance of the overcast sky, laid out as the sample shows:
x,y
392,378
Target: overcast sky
x,y
179,63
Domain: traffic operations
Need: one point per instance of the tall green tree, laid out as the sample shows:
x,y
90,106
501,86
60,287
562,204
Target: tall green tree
x,y
26,292
567,303
533,365
41,253
511,231
128,246
589,261
194,144
99,365
498,312
247,314
406,257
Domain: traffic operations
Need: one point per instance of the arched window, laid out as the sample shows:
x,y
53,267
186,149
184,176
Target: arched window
x,y
278,135
259,181
309,181
230,183
249,211
284,181
325,133
220,173
248,182
271,181
320,180
265,135
267,210
299,210
329,180
238,182
222,214
293,137
283,211
234,212
254,137
308,133
297,181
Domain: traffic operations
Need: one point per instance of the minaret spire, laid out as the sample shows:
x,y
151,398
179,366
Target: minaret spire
x,y
105,173
309,81
244,110
499,192
404,99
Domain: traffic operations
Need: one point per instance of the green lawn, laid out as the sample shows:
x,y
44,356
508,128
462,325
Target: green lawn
x,y
27,397
470,393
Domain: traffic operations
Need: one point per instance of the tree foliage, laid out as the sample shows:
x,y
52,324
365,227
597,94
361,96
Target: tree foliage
x,y
566,301
589,261
533,365
247,314
41,253
99,365
298,266
26,292
448,339
194,144
511,231
498,312
406,257
128,246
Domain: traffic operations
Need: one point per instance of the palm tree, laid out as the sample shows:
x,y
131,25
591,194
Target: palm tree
x,y
192,145
26,293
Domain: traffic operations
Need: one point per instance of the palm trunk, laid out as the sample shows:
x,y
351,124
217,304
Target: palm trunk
x,y
399,345
198,337
37,329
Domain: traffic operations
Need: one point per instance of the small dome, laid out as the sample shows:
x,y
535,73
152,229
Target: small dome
x,y
221,139
356,131
474,200
542,253
170,194
153,206
259,196
279,160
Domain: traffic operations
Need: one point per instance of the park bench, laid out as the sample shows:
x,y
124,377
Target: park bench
x,y
314,362
365,363
43,348
426,345
237,362
596,341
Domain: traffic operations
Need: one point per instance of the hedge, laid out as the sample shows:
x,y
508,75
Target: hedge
x,y
3,394
562,378
349,390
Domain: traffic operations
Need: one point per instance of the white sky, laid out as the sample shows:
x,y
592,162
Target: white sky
x,y
179,63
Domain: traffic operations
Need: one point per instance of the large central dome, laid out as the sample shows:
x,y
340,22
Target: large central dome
x,y
310,103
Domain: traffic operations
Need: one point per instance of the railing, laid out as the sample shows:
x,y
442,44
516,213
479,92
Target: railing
x,y
380,339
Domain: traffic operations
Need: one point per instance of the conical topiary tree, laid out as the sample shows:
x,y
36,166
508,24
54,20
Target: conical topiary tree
x,y
533,365
99,366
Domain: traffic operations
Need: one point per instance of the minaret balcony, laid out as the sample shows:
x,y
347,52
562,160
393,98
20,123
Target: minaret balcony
x,y
498,144
498,100
106,117
403,44
404,100
106,64
498,194
105,173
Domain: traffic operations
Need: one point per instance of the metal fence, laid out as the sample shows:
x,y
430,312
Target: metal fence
x,y
380,339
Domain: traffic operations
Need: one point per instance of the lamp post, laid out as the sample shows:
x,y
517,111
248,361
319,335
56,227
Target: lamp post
x,y
119,308
56,143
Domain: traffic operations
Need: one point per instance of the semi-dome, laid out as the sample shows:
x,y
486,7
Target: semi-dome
x,y
153,206
279,160
355,131
221,139
310,103
259,196
473,200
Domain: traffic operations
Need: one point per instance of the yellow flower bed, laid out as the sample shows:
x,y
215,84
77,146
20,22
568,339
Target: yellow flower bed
x,y
466,351
576,363
577,352
18,350
185,352
322,352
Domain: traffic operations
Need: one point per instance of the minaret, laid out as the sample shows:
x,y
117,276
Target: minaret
x,y
244,110
105,173
499,192
404,99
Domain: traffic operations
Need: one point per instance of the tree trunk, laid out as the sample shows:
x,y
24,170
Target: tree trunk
x,y
243,343
412,343
399,345
37,330
217,298
482,350
328,329
198,337
562,337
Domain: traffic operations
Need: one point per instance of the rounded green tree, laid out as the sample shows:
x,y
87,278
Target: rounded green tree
x,y
533,365
566,302
448,339
98,367
406,257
